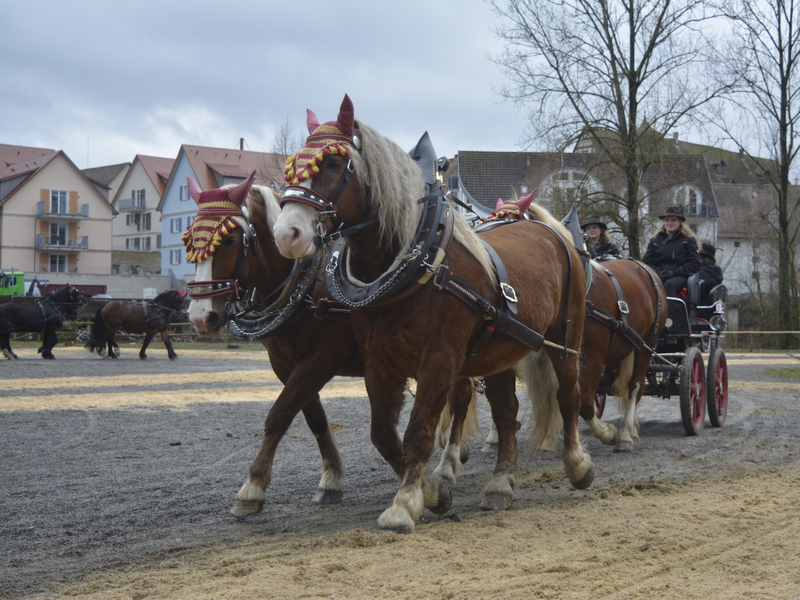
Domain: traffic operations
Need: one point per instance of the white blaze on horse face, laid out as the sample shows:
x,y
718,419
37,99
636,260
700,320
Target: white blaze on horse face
x,y
294,230
199,310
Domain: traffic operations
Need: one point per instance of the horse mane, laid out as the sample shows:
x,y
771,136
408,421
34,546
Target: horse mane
x,y
394,183
164,296
537,213
62,295
264,197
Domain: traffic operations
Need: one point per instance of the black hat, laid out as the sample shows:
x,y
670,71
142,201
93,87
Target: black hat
x,y
673,211
708,250
594,220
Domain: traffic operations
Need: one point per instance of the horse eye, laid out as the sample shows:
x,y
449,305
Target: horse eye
x,y
229,241
334,166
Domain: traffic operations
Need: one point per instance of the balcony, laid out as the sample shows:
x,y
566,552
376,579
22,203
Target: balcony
x,y
45,242
59,216
131,205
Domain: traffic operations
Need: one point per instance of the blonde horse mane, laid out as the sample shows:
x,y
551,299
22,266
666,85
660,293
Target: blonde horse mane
x,y
537,213
394,183
265,196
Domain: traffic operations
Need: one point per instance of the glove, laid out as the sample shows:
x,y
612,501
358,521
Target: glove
x,y
667,275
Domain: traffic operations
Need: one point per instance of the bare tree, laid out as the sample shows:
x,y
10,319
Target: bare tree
x,y
285,143
597,68
764,53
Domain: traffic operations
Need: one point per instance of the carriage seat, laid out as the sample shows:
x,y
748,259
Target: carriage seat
x,y
701,314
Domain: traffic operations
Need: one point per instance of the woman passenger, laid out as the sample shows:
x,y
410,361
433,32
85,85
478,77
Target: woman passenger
x,y
598,242
672,251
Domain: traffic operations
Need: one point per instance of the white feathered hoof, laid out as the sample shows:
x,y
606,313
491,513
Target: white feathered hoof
x,y
490,447
624,446
328,496
585,481
396,519
245,509
496,501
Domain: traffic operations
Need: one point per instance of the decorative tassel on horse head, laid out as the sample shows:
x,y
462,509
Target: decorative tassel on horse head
x,y
215,217
328,138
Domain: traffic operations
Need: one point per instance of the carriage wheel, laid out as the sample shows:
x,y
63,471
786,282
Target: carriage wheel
x,y
693,391
717,387
599,404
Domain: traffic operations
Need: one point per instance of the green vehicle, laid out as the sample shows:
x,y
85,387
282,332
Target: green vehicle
x,y
12,283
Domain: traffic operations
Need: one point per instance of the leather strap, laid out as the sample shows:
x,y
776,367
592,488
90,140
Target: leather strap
x,y
507,293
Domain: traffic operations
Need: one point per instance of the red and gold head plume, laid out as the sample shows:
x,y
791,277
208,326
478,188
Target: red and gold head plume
x,y
329,138
215,217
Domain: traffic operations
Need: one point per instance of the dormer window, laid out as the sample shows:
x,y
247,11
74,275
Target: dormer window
x,y
691,199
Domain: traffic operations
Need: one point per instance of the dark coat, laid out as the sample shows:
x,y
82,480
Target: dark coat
x,y
710,276
674,257
601,249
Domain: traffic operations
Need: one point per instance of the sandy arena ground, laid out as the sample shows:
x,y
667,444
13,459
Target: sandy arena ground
x,y
98,504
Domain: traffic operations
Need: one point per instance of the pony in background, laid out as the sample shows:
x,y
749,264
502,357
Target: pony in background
x,y
148,318
44,317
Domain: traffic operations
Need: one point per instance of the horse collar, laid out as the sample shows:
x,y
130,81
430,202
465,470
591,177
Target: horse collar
x,y
411,270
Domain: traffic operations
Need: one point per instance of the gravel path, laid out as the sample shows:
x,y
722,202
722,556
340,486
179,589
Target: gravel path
x,y
94,480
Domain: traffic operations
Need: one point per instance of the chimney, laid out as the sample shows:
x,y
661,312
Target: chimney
x,y
675,138
241,143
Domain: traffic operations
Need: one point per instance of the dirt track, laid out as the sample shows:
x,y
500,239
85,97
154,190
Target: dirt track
x,y
97,503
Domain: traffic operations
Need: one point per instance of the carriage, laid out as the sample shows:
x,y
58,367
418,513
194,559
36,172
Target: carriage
x,y
677,366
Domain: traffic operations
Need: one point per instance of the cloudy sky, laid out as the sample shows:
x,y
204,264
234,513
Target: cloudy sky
x,y
106,80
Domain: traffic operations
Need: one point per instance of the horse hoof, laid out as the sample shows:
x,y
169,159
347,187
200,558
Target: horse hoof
x,y
328,496
174,357
241,509
463,453
623,447
445,499
495,501
585,481
489,447
143,357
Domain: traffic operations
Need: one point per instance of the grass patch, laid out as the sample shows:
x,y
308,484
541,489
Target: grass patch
x,y
788,373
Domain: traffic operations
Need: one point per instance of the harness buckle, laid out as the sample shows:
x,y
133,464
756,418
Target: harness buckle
x,y
330,268
439,276
508,292
623,307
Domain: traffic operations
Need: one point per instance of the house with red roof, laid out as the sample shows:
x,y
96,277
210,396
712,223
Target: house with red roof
x,y
211,168
136,239
53,218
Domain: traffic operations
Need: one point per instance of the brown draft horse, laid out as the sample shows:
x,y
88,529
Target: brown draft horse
x,y
606,346
148,318
305,355
647,305
375,189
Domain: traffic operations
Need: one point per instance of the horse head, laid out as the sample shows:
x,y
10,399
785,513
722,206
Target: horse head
x,y
323,179
243,257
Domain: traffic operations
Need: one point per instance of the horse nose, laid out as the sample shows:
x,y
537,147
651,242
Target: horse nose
x,y
213,321
289,240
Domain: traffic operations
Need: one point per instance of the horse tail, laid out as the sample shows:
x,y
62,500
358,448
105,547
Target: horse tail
x,y
471,429
536,371
622,382
99,333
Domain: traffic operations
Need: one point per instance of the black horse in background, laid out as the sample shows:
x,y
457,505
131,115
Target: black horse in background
x,y
148,318
46,317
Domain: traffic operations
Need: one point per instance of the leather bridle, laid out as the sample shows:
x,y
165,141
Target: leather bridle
x,y
200,290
